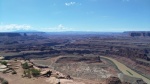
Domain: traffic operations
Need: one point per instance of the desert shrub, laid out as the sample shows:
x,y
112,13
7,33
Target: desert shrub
x,y
35,72
4,72
14,72
1,79
25,65
3,62
4,82
27,73
15,59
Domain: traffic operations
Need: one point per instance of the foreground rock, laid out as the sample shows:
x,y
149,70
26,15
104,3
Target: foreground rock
x,y
3,68
113,80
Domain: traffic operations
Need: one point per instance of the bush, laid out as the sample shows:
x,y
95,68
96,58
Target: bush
x,y
35,72
14,72
4,72
1,79
4,82
25,65
3,62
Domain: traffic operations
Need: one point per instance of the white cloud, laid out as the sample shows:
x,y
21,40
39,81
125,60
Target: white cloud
x,y
70,3
13,27
58,28
61,27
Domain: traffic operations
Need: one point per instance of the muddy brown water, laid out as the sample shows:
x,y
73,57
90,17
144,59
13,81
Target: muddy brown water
x,y
125,70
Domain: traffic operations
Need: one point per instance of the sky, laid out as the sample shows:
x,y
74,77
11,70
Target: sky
x,y
75,15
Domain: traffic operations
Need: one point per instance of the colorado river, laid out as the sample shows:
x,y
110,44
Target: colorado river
x,y
124,70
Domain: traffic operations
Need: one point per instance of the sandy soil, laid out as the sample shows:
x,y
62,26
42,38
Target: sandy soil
x,y
18,79
53,80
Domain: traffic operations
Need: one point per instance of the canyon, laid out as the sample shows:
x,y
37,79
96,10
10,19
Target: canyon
x,y
80,50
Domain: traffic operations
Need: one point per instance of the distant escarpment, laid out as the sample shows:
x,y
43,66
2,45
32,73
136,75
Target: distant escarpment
x,y
79,59
141,56
10,34
139,33
137,54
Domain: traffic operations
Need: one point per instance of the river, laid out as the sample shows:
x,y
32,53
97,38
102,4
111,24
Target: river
x,y
124,70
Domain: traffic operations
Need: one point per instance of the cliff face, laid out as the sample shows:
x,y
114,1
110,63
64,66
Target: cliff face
x,y
132,48
10,34
130,53
141,56
137,34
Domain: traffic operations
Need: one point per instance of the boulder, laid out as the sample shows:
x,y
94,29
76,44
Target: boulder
x,y
3,68
1,57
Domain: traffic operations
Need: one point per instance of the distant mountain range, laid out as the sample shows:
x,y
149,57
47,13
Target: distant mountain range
x,y
126,33
22,31
138,33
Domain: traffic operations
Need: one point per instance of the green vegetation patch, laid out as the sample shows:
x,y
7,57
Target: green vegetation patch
x,y
3,62
3,81
30,71
35,72
25,65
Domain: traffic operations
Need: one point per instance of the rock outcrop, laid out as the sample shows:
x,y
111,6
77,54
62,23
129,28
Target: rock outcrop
x,y
113,80
139,33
